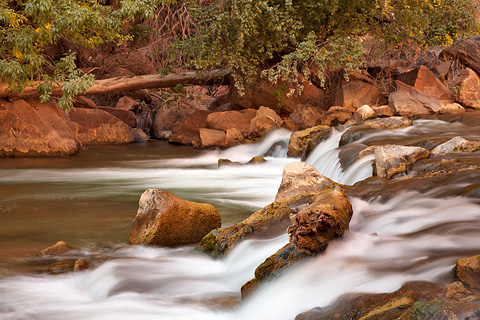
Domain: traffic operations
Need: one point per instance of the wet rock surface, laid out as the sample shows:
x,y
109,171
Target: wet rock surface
x,y
164,219
303,142
318,223
28,128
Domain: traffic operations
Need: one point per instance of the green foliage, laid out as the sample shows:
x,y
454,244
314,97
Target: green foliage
x,y
27,27
291,41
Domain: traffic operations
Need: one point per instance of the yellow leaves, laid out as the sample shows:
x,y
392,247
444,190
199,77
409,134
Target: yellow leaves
x,y
17,54
15,19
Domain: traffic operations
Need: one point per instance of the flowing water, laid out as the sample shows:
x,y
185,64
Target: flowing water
x,y
89,200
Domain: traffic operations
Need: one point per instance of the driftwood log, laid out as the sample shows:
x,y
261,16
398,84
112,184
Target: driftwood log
x,y
132,83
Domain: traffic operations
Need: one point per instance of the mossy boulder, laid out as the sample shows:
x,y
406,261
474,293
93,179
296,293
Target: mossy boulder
x,y
272,219
313,227
303,142
383,306
164,219
301,184
273,266
440,310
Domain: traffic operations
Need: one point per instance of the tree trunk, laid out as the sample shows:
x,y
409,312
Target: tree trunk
x,y
133,83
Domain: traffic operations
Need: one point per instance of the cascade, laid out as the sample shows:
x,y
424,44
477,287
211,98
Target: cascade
x,y
409,237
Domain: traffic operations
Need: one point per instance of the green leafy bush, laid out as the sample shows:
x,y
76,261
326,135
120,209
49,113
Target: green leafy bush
x,y
28,27
285,38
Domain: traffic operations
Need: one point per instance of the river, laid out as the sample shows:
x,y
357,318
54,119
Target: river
x,y
90,200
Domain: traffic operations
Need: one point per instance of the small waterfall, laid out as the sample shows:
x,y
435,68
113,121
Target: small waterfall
x,y
411,237
325,159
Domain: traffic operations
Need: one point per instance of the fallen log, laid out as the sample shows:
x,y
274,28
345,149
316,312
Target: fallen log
x,y
132,83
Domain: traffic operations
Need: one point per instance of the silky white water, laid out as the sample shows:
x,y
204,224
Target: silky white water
x,y
91,205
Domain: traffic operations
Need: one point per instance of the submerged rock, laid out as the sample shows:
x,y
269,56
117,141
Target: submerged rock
x,y
257,159
61,266
456,144
273,266
303,142
167,220
383,306
58,248
356,132
393,159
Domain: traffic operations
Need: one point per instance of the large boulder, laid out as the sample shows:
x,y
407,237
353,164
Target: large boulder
x,y
234,137
424,80
127,103
231,119
125,115
265,121
467,270
95,126
393,159
407,100
210,138
187,131
467,89
303,142
465,50
301,181
169,115
326,218
358,91
261,92
30,128
305,116
358,131
313,227
335,115
167,220
84,102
